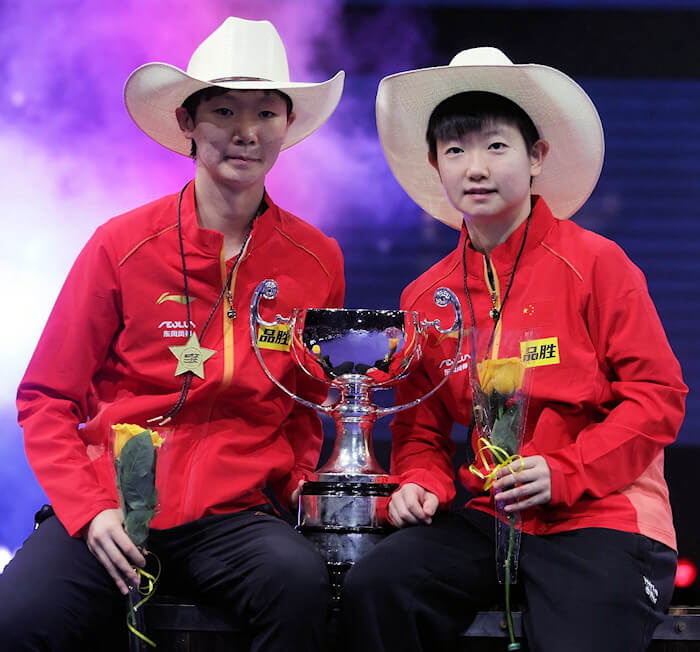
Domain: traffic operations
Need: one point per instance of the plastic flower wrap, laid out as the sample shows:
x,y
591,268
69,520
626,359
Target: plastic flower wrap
x,y
135,458
500,399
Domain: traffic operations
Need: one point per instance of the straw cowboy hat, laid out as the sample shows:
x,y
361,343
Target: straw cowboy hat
x,y
560,109
240,54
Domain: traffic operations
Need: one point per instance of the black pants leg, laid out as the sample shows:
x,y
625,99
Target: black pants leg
x,y
419,587
595,590
256,567
56,596
586,590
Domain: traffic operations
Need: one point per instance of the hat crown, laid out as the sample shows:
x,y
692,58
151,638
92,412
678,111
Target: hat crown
x,y
241,48
485,56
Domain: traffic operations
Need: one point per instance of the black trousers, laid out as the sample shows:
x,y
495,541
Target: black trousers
x,y
56,596
589,590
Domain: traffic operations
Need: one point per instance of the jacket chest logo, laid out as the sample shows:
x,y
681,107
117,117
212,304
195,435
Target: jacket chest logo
x,y
177,298
175,328
460,364
540,353
277,338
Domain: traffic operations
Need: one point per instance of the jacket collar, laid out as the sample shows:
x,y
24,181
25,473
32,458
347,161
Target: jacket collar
x,y
504,255
210,242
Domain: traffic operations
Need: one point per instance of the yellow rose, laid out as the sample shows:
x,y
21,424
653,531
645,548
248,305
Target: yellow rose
x,y
504,376
156,439
123,432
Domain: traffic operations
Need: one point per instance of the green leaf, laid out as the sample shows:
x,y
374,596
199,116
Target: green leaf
x,y
136,524
136,472
136,482
505,429
152,502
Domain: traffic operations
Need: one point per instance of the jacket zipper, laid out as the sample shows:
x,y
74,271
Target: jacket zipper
x,y
227,325
494,291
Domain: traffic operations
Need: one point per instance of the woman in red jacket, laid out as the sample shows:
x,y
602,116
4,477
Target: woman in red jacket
x,y
152,323
512,152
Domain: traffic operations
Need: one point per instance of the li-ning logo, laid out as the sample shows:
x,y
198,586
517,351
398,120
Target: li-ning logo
x,y
460,365
177,298
176,328
651,591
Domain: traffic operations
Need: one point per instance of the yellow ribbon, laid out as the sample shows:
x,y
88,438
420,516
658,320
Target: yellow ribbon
x,y
147,593
501,456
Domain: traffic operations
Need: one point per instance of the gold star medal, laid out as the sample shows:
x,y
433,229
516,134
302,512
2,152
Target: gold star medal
x,y
191,357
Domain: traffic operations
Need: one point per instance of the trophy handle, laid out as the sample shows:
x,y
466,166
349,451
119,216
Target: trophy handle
x,y
442,297
268,289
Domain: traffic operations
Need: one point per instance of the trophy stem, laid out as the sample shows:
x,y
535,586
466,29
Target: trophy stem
x,y
344,511
354,416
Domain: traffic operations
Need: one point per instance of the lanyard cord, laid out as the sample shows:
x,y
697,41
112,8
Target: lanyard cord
x,y
187,378
499,312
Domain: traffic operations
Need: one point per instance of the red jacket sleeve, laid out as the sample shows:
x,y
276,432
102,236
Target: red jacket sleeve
x,y
52,396
647,391
422,447
303,427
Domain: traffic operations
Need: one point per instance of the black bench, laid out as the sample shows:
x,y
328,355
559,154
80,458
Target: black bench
x,y
185,627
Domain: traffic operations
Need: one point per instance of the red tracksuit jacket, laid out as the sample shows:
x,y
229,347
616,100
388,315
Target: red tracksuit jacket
x,y
103,358
606,396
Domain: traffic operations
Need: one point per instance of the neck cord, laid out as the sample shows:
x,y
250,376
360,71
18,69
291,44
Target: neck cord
x,y
499,312
187,377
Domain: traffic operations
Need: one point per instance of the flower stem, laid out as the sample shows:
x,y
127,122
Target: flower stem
x,y
509,561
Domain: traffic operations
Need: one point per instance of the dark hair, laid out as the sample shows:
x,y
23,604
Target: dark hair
x,y
468,112
193,101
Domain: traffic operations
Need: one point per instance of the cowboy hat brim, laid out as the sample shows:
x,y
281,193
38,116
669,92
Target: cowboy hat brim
x,y
153,92
563,113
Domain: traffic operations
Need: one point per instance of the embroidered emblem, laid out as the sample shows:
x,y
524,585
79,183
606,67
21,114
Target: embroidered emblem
x,y
177,298
529,310
277,338
651,591
539,353
436,339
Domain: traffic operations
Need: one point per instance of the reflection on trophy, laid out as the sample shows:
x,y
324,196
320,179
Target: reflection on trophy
x,y
344,510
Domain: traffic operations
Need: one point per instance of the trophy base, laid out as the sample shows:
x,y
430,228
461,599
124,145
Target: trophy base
x,y
344,515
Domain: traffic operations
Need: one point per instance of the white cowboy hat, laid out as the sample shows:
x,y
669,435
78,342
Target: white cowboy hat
x,y
560,109
240,54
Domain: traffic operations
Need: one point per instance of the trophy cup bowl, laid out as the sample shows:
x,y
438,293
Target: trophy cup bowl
x,y
333,344
343,510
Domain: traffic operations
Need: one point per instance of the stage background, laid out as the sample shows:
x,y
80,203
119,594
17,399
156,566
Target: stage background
x,y
72,157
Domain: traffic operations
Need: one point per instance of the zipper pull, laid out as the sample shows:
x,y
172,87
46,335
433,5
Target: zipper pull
x,y
494,313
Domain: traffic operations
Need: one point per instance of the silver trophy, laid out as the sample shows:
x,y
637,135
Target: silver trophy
x,y
343,511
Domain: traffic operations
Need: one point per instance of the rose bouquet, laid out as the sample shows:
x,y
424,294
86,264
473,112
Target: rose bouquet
x,y
500,405
135,465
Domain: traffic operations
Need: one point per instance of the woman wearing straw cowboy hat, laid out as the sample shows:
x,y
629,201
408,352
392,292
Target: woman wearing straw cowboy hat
x,y
151,328
512,152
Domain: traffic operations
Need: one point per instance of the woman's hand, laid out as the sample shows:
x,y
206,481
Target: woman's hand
x,y
107,539
523,484
412,504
